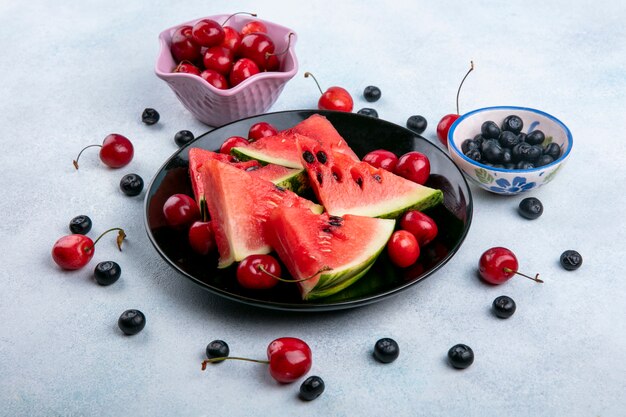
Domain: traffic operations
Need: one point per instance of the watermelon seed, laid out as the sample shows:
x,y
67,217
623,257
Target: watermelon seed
x,y
319,177
359,182
336,174
326,230
321,156
308,157
279,188
335,221
253,168
377,177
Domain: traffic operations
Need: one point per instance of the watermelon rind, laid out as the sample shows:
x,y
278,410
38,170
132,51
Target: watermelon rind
x,y
422,199
244,153
292,179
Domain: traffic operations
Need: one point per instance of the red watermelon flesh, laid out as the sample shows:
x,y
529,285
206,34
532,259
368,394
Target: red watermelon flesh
x,y
345,186
333,251
239,205
282,149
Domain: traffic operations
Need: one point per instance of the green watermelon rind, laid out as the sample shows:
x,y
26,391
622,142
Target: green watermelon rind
x,y
298,182
435,198
244,153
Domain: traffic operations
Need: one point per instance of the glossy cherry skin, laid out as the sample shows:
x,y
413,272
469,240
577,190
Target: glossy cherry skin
x,y
242,70
261,130
336,98
497,265
403,249
202,238
272,63
251,276
232,39
253,27
414,166
208,32
183,47
419,225
219,59
73,251
180,210
187,68
257,47
117,151
233,142
290,358
214,78
382,158
444,126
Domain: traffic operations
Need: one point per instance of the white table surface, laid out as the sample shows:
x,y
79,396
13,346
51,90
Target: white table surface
x,y
72,73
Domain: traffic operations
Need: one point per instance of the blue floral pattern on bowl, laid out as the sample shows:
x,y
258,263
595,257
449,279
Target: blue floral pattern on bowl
x,y
519,185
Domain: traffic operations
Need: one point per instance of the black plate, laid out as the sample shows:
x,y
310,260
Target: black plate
x,y
363,134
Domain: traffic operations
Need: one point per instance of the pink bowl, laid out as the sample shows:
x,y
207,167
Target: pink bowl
x,y
253,96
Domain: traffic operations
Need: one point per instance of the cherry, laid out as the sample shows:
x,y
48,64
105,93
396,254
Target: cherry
x,y
403,249
261,130
419,225
233,142
187,68
382,158
253,27
131,322
214,78
242,70
202,238
184,47
289,358
219,59
258,272
414,166
497,265
116,151
446,121
257,47
335,98
75,251
180,210
208,32
232,39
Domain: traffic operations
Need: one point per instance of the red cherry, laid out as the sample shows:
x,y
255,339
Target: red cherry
x,y
242,70
444,124
414,166
419,225
382,158
335,98
75,251
233,142
214,78
116,151
257,47
498,265
261,130
258,272
232,39
253,27
202,238
183,47
403,249
219,59
273,63
180,210
208,32
187,68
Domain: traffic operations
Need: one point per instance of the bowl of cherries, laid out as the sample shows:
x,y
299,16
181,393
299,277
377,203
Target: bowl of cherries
x,y
227,67
509,150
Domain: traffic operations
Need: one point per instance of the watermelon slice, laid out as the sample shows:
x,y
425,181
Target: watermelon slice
x,y
239,205
282,150
346,186
334,251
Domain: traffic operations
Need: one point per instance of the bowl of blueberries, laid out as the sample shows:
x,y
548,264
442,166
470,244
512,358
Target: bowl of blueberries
x,y
509,150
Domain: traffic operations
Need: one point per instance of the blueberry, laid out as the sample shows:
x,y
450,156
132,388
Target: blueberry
x,y
509,165
524,165
372,93
217,349
386,350
490,130
469,144
508,139
503,307
132,322
107,272
80,225
553,149
522,137
475,155
150,116
519,151
460,356
417,124
530,208
571,260
311,388
366,111
506,156
513,124
131,184
534,153
183,137
492,151
544,160
479,139
536,137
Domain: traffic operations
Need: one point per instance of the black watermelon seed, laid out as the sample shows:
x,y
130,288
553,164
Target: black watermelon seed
x,y
326,230
253,168
321,156
319,177
308,157
359,182
377,177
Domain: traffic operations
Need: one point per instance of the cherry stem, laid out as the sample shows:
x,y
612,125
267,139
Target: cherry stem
x,y
120,238
75,161
461,85
307,75
323,269
235,14
535,278
284,51
213,360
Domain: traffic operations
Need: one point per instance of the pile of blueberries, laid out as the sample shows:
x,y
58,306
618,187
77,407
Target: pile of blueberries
x,y
507,147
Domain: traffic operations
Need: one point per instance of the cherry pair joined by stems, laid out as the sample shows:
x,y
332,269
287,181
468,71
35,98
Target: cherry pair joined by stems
x,y
446,121
116,151
260,272
497,265
335,98
75,251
